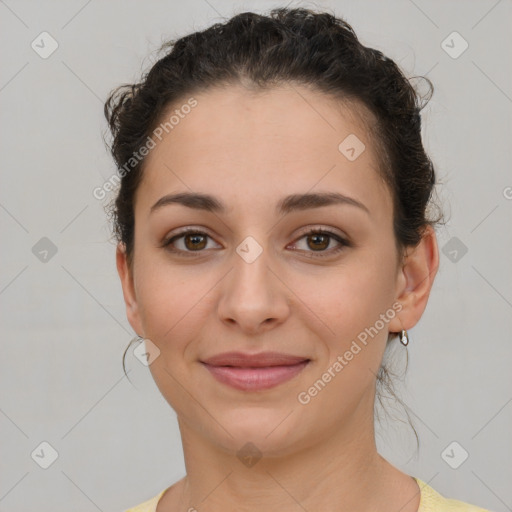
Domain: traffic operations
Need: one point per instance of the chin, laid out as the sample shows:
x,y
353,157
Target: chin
x,y
272,432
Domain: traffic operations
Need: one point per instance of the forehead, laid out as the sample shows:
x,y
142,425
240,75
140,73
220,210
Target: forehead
x,y
263,144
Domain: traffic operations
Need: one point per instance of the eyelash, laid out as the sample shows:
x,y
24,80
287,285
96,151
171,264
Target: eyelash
x,y
167,243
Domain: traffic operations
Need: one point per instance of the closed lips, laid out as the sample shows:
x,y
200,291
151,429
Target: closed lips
x,y
262,360
256,372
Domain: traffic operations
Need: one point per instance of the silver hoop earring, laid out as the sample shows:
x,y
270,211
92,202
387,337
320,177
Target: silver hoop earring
x,y
404,337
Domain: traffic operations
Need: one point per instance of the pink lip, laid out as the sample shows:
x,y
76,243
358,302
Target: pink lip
x,y
254,372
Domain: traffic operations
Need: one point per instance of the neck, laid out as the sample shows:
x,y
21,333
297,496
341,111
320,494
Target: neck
x,y
339,471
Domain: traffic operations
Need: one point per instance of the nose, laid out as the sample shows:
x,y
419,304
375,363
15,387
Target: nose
x,y
253,297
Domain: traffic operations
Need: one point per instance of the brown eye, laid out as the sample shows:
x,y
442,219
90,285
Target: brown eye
x,y
188,242
195,242
318,241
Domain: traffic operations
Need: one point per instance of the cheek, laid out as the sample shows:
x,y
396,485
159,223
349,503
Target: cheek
x,y
173,303
171,311
354,305
349,297
163,297
351,354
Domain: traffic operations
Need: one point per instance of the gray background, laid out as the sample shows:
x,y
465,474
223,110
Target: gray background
x,y
63,321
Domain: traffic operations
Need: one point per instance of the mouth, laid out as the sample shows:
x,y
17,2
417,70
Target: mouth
x,y
254,372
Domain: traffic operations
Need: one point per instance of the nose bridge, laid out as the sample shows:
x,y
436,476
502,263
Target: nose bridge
x,y
251,294
251,272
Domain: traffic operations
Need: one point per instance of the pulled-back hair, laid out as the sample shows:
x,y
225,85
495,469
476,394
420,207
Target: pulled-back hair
x,y
288,46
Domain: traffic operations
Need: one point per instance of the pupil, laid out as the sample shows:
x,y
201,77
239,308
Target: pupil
x,y
194,239
317,237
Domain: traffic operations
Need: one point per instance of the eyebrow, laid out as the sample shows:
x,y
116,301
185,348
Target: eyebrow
x,y
294,202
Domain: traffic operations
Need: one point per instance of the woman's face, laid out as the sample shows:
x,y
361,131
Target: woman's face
x,y
251,280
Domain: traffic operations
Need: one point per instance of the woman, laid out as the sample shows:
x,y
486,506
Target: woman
x,y
273,241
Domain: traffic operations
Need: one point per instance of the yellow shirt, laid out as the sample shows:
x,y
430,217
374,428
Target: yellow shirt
x,y
430,501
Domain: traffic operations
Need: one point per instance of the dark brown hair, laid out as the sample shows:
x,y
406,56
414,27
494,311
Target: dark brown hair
x,y
294,46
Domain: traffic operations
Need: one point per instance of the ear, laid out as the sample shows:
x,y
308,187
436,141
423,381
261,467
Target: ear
x,y
415,280
127,283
